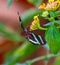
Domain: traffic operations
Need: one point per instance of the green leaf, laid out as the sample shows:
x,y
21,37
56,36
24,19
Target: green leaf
x,y
5,32
26,63
21,53
45,14
22,64
52,37
49,23
57,61
35,2
57,22
52,14
57,13
9,2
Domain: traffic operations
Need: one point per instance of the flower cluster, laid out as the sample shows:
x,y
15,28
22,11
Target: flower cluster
x,y
36,24
51,5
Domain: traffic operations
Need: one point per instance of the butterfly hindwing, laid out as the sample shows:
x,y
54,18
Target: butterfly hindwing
x,y
35,39
31,38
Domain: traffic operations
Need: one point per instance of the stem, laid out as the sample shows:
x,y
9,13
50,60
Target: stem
x,y
41,28
46,62
43,57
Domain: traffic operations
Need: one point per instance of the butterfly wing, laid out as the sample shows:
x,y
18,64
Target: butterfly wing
x,y
35,39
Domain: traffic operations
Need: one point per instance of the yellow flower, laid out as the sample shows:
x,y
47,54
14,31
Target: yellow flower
x,y
50,1
51,6
42,6
58,2
35,24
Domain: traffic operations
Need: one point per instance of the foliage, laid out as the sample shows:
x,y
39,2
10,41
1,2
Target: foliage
x,y
52,35
57,61
53,38
22,52
6,32
49,11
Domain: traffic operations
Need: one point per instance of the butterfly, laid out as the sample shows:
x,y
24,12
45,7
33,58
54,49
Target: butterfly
x,y
30,36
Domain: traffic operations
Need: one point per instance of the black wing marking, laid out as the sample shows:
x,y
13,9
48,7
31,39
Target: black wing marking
x,y
31,37
35,39
40,39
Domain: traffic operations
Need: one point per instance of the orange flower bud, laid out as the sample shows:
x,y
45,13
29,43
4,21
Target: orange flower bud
x,y
42,6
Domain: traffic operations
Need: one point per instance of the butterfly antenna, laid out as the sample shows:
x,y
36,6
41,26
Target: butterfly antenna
x,y
20,21
19,17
